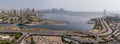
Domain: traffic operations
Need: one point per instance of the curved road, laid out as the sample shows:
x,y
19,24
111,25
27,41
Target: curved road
x,y
103,26
109,30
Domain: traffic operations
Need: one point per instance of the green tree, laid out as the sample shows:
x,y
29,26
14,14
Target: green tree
x,y
17,36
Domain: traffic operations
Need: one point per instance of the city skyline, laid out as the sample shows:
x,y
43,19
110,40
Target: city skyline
x,y
72,5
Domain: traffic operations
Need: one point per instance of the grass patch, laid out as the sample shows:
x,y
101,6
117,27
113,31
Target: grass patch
x,y
2,27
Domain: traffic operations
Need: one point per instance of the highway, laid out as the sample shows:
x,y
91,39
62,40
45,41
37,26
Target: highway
x,y
103,26
21,38
79,40
109,30
41,33
116,32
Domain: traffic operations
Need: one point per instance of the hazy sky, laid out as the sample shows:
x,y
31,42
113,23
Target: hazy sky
x,y
74,5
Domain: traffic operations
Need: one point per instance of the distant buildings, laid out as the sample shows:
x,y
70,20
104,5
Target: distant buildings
x,y
19,16
54,10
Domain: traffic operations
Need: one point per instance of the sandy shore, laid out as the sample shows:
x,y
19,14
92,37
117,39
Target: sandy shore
x,y
32,24
52,22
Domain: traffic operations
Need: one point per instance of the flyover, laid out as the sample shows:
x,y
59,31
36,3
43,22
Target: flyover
x,y
106,26
41,33
103,27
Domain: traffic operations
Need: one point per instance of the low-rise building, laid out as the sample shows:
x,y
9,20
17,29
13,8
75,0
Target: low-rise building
x,y
1,20
6,37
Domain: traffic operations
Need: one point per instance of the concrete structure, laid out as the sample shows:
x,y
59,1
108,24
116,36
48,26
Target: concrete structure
x,y
6,37
1,20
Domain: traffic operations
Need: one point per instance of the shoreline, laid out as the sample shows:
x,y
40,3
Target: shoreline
x,y
51,22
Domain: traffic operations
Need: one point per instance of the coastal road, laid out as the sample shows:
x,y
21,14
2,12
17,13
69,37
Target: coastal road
x,y
103,26
109,30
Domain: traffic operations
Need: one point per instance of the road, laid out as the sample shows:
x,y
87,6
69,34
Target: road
x,y
80,40
41,33
109,30
116,31
103,26
21,38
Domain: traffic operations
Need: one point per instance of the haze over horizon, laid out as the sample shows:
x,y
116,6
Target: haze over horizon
x,y
72,5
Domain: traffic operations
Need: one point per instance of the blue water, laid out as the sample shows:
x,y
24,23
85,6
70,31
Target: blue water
x,y
76,21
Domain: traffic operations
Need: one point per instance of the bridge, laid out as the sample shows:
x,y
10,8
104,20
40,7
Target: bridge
x,y
25,34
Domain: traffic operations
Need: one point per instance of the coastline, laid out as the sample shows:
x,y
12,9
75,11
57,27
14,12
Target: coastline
x,y
51,22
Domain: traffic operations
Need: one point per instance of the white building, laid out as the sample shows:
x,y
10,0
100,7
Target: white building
x,y
6,37
1,20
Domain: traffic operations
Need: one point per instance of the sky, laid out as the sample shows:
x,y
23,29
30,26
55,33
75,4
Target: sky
x,y
73,5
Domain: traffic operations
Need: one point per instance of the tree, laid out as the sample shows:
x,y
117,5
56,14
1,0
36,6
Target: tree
x,y
33,42
14,40
17,36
